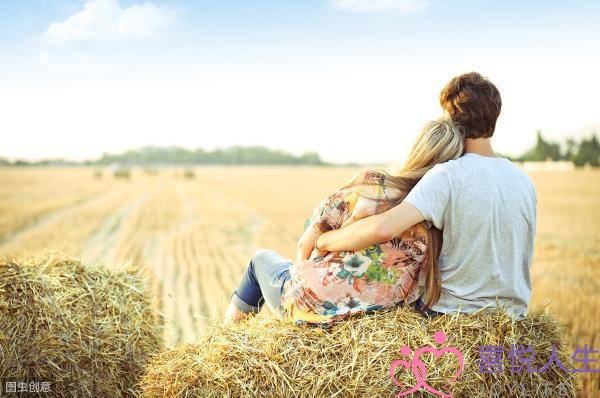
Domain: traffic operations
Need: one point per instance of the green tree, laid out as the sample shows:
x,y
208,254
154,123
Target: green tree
x,y
543,150
571,146
231,155
588,152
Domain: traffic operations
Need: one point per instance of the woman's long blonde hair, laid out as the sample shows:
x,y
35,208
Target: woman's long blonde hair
x,y
439,141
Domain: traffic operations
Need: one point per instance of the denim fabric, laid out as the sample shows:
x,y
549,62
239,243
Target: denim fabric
x,y
263,282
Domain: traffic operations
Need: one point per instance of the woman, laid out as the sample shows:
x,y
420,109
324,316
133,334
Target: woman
x,y
323,287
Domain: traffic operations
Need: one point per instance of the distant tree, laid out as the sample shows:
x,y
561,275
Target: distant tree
x,y
588,152
542,150
312,158
231,155
571,145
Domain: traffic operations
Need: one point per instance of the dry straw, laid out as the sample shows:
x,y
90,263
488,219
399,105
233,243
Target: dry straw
x,y
264,357
85,330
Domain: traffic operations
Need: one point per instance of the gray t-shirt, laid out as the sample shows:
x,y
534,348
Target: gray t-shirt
x,y
486,208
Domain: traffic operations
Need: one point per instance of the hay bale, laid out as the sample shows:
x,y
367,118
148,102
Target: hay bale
x,y
122,173
268,358
86,330
189,174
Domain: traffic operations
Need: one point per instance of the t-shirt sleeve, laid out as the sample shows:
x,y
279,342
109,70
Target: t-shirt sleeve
x,y
431,196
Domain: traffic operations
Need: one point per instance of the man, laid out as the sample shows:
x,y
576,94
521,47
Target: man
x,y
483,203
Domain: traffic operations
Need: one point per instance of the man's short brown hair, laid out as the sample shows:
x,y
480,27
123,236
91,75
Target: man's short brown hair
x,y
473,103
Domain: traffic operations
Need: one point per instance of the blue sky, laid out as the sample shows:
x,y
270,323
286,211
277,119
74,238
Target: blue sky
x,y
84,77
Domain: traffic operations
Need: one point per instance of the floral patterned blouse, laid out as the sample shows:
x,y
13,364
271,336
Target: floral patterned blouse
x,y
325,289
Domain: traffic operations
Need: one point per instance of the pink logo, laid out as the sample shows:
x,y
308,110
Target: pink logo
x,y
419,369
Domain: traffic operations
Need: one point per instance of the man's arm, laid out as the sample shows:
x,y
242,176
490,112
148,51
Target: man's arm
x,y
371,230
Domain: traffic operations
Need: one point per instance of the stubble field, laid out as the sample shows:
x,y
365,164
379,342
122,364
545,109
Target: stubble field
x,y
194,236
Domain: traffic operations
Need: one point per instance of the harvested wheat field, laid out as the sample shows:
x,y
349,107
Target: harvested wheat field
x,y
83,330
194,236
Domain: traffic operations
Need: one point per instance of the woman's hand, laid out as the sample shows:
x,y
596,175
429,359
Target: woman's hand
x,y
304,248
306,245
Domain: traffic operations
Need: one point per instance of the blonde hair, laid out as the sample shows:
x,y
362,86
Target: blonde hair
x,y
439,141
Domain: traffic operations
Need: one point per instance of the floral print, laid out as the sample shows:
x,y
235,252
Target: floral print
x,y
328,288
354,264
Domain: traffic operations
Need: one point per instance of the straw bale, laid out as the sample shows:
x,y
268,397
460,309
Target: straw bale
x,y
85,330
264,357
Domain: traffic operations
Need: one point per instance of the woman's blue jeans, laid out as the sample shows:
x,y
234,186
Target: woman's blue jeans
x,y
263,282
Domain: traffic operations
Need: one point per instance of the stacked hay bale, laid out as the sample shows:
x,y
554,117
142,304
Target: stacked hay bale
x,y
264,357
189,174
122,173
85,330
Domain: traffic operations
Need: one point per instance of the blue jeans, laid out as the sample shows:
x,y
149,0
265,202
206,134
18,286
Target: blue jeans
x,y
263,282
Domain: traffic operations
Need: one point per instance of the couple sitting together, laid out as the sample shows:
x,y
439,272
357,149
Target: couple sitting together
x,y
451,231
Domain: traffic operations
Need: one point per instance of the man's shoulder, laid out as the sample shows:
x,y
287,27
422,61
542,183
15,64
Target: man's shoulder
x,y
444,168
466,167
448,168
518,173
462,162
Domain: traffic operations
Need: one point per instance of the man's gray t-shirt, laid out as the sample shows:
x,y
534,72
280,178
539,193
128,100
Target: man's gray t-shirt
x,y
486,208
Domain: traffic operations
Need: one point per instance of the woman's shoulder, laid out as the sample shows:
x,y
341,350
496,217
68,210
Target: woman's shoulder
x,y
369,176
373,184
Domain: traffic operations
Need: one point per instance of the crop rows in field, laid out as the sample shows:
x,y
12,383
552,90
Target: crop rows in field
x,y
194,237
30,196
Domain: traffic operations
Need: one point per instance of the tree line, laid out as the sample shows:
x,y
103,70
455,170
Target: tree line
x,y
586,151
236,155
582,152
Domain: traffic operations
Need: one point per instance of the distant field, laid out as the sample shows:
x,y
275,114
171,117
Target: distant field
x,y
196,235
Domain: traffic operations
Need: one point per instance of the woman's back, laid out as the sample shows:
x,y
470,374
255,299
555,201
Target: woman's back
x,y
323,289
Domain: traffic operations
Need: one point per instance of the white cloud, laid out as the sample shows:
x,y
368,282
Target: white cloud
x,y
372,6
107,21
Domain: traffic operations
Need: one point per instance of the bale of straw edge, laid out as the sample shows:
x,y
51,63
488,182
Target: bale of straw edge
x,y
85,330
263,357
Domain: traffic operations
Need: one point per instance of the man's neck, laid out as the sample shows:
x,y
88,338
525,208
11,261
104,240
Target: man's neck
x,y
480,146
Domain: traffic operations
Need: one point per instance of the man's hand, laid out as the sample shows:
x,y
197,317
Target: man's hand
x,y
371,230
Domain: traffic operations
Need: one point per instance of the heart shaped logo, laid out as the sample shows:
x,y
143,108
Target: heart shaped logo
x,y
419,368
